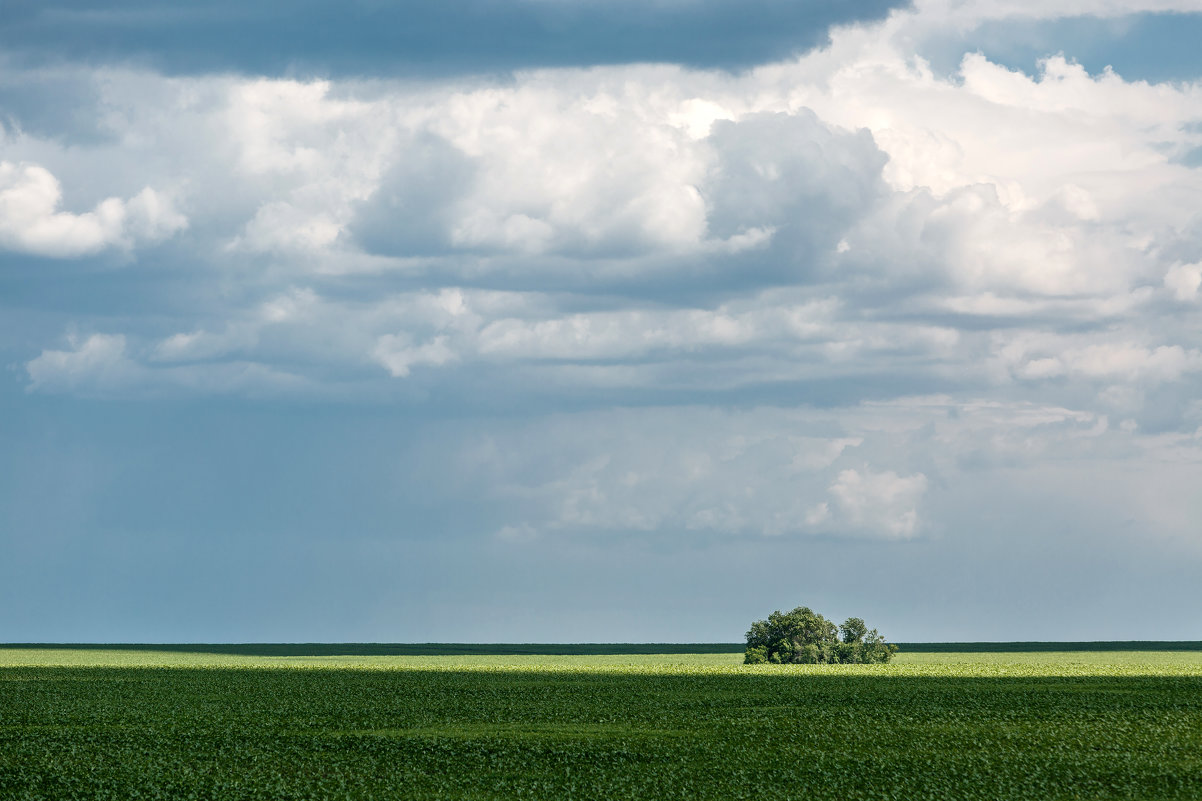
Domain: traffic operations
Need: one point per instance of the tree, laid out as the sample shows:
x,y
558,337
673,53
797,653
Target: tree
x,y
806,637
853,629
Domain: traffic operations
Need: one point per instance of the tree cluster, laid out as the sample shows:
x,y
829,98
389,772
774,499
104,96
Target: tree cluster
x,y
805,637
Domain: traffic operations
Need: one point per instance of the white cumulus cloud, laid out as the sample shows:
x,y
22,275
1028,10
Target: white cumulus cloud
x,y
881,502
32,222
99,360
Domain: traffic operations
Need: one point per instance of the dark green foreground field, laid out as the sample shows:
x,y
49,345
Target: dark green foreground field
x,y
141,724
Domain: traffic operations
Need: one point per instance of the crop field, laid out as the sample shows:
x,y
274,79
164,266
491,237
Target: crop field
x,y
144,724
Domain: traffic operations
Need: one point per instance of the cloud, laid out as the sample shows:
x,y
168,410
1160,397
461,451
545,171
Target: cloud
x,y
1035,357
875,471
593,175
101,366
471,37
96,362
613,335
30,220
413,209
1183,280
399,355
970,13
794,175
280,227
882,502
842,225
684,469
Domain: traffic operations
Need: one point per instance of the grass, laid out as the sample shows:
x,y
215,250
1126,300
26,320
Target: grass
x,y
120,723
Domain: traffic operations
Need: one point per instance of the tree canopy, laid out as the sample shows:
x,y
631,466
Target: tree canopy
x,y
806,637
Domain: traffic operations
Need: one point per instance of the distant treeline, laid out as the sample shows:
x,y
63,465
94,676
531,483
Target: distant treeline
x,y
1011,647
584,649
405,648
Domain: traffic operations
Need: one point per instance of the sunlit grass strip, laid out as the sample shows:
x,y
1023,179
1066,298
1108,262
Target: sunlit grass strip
x,y
1086,663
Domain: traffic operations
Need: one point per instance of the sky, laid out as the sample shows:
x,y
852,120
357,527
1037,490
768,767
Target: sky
x,y
583,321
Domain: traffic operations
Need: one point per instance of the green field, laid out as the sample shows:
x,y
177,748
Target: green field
x,y
240,723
